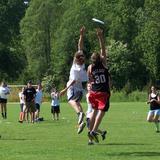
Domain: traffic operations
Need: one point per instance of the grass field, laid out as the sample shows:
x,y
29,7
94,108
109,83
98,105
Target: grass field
x,y
129,137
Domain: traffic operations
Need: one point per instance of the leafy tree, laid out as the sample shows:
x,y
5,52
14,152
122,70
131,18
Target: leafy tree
x,y
11,57
148,38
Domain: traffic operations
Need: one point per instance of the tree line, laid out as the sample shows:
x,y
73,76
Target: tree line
x,y
38,39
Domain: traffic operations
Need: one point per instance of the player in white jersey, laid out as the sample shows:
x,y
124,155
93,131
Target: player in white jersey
x,y
74,86
4,91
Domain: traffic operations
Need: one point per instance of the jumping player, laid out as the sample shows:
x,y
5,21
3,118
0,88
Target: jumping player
x,y
100,91
74,86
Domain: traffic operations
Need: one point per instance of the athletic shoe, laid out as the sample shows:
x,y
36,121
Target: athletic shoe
x,y
94,135
90,142
80,117
104,135
81,127
20,121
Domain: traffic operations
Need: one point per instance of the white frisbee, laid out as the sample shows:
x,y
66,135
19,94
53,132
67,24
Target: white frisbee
x,y
97,21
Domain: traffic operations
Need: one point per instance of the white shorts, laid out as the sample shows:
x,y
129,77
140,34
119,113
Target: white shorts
x,y
74,94
154,112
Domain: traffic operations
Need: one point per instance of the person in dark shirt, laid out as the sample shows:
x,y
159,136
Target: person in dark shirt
x,y
154,112
29,96
99,79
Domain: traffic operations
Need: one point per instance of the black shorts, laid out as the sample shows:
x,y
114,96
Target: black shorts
x,y
2,100
30,107
37,106
55,109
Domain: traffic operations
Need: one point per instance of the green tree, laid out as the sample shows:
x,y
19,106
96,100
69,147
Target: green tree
x,y
11,56
148,38
37,29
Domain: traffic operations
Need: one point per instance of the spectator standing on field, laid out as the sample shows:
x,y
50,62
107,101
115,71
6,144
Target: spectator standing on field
x,y
74,86
55,105
22,105
38,101
29,96
4,92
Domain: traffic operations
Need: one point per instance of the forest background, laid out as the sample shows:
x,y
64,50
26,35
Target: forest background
x,y
38,39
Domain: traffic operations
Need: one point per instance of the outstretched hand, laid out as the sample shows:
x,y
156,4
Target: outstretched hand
x,y
82,30
62,92
99,32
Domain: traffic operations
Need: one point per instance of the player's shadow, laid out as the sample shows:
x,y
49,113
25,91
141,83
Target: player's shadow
x,y
15,139
136,154
123,144
148,153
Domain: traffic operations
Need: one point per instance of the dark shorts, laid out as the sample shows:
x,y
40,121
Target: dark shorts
x,y
88,122
55,109
37,106
99,100
30,106
2,100
21,107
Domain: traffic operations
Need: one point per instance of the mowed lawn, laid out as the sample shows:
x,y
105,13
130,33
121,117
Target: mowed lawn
x,y
129,137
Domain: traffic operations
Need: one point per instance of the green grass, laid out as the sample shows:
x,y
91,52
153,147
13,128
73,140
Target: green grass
x,y
130,137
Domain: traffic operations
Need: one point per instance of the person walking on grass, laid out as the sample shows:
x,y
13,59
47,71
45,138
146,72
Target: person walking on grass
x,y
4,92
74,86
100,87
29,96
55,105
154,112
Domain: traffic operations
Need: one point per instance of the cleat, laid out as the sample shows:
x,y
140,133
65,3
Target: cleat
x,y
90,143
81,127
94,135
80,117
90,137
104,135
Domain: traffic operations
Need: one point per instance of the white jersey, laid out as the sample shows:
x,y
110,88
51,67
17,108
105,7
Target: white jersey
x,y
4,91
55,99
21,98
38,97
79,74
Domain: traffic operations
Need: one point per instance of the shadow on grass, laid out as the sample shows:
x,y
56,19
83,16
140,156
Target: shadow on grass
x,y
151,154
123,144
16,139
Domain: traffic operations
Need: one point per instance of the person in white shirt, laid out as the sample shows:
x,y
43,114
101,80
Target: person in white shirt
x,y
38,101
4,92
74,86
22,105
55,105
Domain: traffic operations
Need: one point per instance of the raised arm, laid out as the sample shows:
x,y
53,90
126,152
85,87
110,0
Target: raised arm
x,y
101,43
80,42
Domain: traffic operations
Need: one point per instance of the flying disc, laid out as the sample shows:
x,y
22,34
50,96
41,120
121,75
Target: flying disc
x,y
97,21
